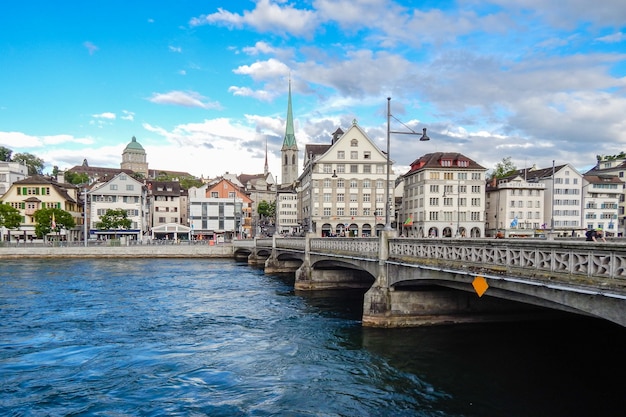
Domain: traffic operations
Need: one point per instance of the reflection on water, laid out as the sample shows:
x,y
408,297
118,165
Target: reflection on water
x,y
218,338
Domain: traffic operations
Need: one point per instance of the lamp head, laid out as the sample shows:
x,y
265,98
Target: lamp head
x,y
424,135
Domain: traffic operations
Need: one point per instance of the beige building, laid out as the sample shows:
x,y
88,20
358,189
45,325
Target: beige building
x,y
342,187
38,192
9,173
444,196
134,158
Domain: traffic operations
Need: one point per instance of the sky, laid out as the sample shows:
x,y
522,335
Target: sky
x,y
203,85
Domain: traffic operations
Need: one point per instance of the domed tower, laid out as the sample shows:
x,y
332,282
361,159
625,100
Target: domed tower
x,y
134,158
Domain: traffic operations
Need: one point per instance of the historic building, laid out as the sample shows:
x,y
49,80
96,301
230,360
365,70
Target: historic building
x,y
444,196
134,158
342,187
39,192
121,192
9,173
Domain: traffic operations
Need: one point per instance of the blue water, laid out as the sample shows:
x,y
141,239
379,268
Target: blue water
x,y
219,338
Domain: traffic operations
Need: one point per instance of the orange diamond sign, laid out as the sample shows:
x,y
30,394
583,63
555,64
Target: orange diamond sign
x,y
480,285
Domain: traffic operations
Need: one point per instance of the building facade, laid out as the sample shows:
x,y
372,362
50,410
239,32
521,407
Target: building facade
x,y
121,192
515,207
444,196
39,192
601,195
342,187
9,173
134,158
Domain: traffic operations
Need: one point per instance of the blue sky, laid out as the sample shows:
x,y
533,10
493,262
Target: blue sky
x,y
203,85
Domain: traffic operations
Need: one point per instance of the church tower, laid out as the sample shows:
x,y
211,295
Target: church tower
x,y
134,158
289,151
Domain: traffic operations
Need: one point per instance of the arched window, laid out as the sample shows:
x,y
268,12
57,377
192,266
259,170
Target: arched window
x,y
293,159
286,160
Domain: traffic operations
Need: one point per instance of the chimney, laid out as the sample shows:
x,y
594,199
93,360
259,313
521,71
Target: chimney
x,y
61,177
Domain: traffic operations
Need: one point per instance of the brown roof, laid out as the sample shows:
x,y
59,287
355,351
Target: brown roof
x,y
433,161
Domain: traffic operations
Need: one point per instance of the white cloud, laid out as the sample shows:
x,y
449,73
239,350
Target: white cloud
x,y
90,47
267,16
106,115
181,98
613,38
176,49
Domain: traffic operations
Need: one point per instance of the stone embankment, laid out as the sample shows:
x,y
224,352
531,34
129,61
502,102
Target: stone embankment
x,y
135,251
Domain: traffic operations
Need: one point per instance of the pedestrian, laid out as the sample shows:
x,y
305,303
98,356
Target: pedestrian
x,y
600,236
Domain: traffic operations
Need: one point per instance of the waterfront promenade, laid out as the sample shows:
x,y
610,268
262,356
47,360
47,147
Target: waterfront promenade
x,y
180,250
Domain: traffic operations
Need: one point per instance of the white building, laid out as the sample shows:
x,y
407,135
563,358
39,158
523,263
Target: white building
x,y
342,187
515,207
9,173
562,208
601,197
444,196
614,165
121,192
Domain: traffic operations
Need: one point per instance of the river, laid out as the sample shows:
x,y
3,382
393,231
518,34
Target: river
x,y
173,337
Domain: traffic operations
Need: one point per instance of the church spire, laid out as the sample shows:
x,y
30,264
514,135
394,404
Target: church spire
x,y
289,151
290,136
266,168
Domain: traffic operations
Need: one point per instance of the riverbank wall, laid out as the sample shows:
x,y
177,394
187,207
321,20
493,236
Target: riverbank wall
x,y
134,251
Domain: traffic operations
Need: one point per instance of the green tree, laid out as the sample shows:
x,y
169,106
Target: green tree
x,y
263,208
75,178
114,219
35,164
10,217
5,154
43,218
504,168
188,182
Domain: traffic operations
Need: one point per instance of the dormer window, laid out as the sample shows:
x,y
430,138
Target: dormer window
x,y
446,162
462,163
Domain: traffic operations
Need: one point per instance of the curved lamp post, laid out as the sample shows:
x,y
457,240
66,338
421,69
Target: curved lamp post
x,y
424,137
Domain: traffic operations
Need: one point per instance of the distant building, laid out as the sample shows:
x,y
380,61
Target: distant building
x,y
38,192
219,211
9,173
134,158
601,196
120,192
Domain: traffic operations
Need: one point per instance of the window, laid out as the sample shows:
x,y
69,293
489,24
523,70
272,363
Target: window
x,y
379,184
433,215
354,155
353,211
130,187
214,194
341,155
353,198
434,188
327,198
367,184
354,184
340,211
367,155
341,169
434,175
380,169
113,187
448,175
327,183
434,201
367,169
340,183
354,143
326,211
367,198
340,197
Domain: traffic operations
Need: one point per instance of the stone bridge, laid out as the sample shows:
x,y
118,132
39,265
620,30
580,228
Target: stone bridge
x,y
412,282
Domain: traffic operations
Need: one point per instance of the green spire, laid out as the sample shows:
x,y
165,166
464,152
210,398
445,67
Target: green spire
x,y
290,136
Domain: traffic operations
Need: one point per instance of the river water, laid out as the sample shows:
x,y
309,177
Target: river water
x,y
219,338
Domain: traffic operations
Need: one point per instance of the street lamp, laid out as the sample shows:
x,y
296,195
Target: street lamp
x,y
423,138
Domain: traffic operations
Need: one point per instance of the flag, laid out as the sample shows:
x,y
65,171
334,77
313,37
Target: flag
x,y
408,222
514,222
53,223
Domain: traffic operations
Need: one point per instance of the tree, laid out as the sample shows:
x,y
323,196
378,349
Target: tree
x,y
504,168
5,154
35,164
188,182
263,208
10,217
114,219
75,178
43,218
